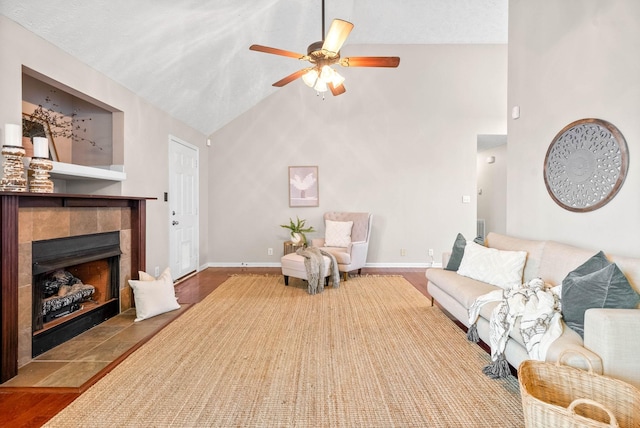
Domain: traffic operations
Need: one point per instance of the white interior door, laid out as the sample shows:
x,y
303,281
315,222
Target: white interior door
x,y
183,207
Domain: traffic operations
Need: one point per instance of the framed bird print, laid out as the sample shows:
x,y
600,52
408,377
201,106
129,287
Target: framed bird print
x,y
303,186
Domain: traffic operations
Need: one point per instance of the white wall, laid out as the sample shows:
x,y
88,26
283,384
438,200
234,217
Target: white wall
x,y
146,129
569,60
400,143
492,181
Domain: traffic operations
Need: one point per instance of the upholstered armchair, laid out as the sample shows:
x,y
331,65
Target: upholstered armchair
x,y
347,238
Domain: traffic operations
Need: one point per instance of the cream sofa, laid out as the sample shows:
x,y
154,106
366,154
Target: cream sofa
x,y
611,336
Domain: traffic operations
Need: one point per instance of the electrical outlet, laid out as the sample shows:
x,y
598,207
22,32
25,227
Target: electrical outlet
x,y
403,252
157,271
270,251
431,252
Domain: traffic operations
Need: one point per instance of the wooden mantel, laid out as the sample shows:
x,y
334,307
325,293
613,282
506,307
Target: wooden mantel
x,y
10,202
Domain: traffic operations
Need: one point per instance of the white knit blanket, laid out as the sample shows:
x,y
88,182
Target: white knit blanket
x,y
538,310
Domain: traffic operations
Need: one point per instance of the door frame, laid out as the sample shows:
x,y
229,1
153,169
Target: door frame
x,y
172,141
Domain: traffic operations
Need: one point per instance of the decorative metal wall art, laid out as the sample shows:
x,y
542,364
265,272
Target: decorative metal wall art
x,y
586,165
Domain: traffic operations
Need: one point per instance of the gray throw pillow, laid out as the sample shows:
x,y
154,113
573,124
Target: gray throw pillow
x,y
456,253
597,283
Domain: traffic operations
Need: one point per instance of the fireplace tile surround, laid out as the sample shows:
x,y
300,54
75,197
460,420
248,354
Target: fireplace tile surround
x,y
26,218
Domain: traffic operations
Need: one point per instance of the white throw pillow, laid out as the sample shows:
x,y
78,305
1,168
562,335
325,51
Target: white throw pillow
x,y
153,296
337,233
500,268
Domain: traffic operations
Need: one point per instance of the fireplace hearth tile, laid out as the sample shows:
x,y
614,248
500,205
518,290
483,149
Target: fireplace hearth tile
x,y
34,373
99,333
73,374
76,361
107,351
68,351
124,319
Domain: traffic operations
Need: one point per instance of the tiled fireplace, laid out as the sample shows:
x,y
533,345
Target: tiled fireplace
x,y
75,286
27,218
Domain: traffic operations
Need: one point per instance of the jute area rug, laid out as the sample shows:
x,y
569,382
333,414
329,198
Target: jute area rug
x,y
254,353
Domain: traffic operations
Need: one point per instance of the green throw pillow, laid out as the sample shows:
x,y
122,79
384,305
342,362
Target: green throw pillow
x,y
597,283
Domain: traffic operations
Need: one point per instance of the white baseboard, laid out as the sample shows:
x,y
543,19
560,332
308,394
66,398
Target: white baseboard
x,y
277,264
243,264
403,265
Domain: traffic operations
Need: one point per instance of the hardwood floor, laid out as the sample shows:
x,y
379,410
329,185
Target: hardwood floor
x,y
32,407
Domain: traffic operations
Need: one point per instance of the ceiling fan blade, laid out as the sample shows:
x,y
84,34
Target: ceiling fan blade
x,y
337,90
267,49
290,78
370,61
337,35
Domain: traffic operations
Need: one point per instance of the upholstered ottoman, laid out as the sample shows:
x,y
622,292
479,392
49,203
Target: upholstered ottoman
x,y
293,265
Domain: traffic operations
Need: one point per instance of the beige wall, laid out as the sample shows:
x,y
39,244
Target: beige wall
x,y
492,181
399,143
146,130
570,60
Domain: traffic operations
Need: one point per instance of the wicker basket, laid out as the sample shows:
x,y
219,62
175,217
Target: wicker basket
x,y
555,395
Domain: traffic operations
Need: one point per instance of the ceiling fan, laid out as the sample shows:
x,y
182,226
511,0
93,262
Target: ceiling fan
x,y
323,54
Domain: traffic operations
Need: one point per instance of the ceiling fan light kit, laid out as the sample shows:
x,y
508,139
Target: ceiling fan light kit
x,y
322,55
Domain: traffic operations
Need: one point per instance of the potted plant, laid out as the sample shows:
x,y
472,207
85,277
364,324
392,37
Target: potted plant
x,y
298,231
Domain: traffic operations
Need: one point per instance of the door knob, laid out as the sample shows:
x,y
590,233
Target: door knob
x,y
175,222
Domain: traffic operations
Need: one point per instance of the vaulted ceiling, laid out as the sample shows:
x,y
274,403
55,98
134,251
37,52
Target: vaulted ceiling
x,y
191,58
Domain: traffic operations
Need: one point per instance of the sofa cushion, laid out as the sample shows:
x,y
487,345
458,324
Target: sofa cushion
x,y
341,254
534,249
496,267
597,283
464,290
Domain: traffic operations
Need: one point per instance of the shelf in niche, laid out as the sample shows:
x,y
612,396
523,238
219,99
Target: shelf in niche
x,y
68,171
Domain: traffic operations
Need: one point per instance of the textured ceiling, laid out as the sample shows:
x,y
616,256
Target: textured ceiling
x,y
191,58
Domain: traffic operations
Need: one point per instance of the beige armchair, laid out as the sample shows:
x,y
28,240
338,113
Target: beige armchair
x,y
351,254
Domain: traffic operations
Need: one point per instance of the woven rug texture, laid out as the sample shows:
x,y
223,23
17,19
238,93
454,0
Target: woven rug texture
x,y
255,353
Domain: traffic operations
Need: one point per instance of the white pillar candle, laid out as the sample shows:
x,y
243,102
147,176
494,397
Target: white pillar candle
x,y
40,147
12,135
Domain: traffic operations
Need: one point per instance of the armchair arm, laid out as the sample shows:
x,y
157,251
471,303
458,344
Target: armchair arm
x,y
317,242
359,253
614,334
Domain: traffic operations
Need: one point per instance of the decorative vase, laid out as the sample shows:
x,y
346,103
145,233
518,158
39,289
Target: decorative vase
x,y
13,178
296,238
39,179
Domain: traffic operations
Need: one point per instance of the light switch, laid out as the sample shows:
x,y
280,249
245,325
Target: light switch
x,y
466,199
515,112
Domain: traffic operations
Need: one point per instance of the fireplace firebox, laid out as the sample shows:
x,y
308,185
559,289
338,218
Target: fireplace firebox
x,y
75,286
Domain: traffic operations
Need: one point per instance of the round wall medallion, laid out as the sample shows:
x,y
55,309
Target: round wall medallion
x,y
586,165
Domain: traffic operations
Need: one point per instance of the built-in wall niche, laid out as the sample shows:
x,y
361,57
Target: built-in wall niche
x,y
87,142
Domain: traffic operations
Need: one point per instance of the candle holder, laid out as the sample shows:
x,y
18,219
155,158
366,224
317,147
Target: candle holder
x,y
39,180
13,178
